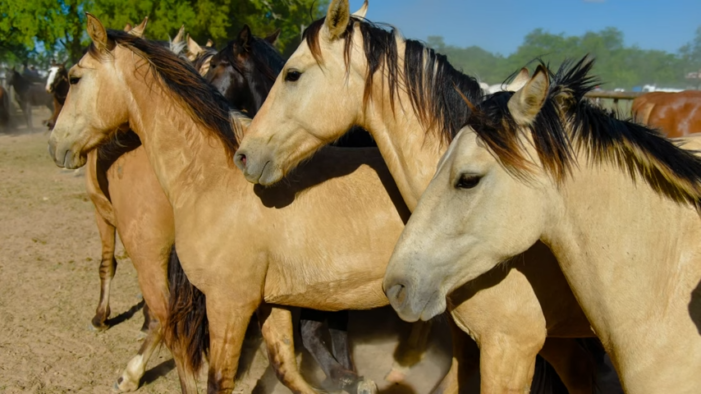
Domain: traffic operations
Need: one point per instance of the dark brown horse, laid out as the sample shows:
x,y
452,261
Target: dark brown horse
x,y
676,114
57,85
4,108
28,94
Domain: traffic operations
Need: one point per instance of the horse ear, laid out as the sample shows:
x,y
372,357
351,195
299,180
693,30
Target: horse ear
x,y
362,11
193,48
337,18
244,36
179,37
209,43
525,104
127,27
519,80
272,39
140,29
97,32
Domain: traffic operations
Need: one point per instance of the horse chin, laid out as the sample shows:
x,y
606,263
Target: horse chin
x,y
270,176
421,307
66,158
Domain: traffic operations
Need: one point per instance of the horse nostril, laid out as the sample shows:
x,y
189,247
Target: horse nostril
x,y
397,295
240,160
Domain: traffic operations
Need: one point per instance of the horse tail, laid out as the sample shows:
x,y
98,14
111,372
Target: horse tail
x,y
186,329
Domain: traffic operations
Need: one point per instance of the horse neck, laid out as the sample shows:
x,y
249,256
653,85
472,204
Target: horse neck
x,y
182,155
20,84
618,239
410,152
258,89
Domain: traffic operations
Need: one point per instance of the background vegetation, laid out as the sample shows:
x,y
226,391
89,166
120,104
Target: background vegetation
x,y
35,31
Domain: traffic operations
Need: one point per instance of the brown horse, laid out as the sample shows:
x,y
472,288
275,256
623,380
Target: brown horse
x,y
405,95
28,94
676,114
57,85
4,109
320,241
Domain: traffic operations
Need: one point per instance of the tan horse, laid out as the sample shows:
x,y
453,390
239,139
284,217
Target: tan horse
x,y
616,202
404,99
321,241
144,221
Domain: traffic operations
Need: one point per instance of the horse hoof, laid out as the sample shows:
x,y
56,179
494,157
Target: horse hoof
x,y
124,386
395,376
367,386
97,328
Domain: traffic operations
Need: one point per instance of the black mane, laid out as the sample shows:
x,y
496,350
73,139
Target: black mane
x,y
568,123
431,82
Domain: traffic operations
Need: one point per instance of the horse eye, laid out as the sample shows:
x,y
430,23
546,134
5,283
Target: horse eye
x,y
292,75
467,181
74,80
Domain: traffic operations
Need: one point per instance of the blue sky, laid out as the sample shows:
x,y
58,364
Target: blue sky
x,y
500,25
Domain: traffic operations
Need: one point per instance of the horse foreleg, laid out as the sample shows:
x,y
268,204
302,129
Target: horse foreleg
x,y
108,265
228,316
131,377
464,369
311,325
278,333
507,364
410,352
27,109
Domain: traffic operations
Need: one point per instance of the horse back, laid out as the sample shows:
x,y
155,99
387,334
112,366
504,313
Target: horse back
x,y
677,114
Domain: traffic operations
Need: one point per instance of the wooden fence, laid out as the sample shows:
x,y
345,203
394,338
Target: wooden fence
x,y
611,100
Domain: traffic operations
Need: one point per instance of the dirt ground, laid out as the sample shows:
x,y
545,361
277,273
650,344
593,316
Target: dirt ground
x,y
49,255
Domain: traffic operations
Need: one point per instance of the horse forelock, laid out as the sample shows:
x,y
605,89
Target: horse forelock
x,y
569,124
202,102
432,83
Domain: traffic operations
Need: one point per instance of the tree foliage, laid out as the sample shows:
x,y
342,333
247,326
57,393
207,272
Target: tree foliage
x,y
617,64
38,28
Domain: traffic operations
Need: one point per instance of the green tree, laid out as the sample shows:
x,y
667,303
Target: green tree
x,y
54,26
31,29
219,20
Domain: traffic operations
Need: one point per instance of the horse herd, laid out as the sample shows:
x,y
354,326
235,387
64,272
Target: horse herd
x,y
536,222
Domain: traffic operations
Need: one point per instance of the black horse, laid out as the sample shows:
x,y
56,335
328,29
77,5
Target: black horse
x,y
28,93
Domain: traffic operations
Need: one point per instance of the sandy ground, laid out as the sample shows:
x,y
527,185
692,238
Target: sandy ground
x,y
49,255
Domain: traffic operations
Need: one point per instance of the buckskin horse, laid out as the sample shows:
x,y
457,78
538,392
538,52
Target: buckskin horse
x,y
320,242
546,156
275,319
404,94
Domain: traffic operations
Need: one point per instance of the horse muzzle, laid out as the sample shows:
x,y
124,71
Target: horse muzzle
x,y
65,157
410,303
257,168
